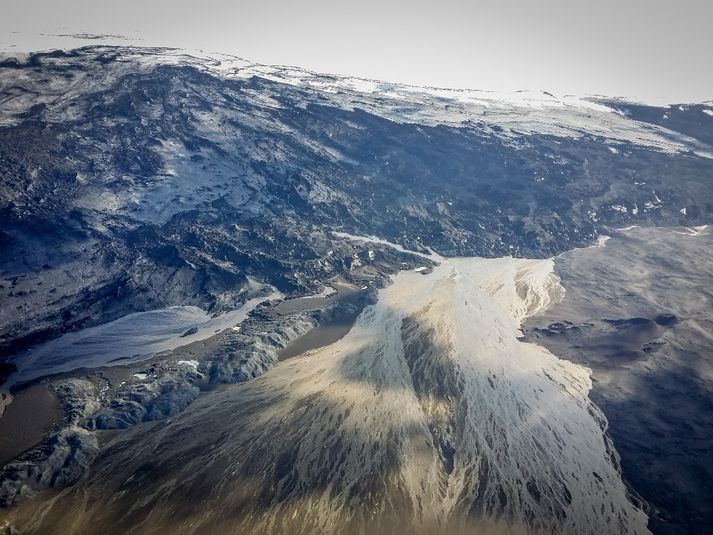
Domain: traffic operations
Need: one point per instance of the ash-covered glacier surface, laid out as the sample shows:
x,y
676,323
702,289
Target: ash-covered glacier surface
x,y
639,313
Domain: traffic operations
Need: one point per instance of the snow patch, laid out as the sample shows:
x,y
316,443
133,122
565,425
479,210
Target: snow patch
x,y
602,241
374,239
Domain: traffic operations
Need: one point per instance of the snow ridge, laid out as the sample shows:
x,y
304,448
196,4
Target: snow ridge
x,y
504,114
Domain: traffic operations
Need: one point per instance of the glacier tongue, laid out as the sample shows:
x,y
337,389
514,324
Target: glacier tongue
x,y
428,416
513,441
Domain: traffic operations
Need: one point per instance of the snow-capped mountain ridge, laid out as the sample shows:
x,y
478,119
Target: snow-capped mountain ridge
x,y
218,62
512,114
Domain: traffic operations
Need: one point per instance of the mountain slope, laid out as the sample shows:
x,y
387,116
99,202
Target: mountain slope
x,y
139,178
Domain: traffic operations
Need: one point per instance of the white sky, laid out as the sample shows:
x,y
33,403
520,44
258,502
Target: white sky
x,y
650,50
